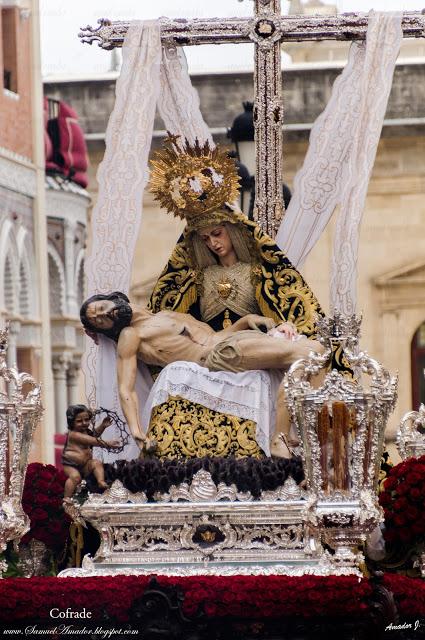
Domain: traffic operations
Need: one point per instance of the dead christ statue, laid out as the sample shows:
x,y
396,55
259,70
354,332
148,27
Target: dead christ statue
x,y
168,336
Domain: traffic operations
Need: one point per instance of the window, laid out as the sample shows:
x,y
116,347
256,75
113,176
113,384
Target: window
x,y
9,19
418,367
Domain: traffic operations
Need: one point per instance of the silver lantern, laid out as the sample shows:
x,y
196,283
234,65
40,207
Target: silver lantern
x,y
341,422
20,410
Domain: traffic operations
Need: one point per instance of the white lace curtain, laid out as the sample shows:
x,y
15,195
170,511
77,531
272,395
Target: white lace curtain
x,y
150,77
340,157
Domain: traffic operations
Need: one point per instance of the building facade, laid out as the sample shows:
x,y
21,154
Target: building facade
x,y
42,229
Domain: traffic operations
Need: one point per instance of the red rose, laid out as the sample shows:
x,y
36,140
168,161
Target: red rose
x,y
399,520
384,499
402,489
57,487
45,475
412,513
415,493
400,504
43,485
390,483
404,535
418,528
414,478
39,514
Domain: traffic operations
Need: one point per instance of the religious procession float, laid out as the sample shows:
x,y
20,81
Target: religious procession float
x,y
239,483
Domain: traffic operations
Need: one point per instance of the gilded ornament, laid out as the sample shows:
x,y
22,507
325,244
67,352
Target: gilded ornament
x,y
191,181
227,322
225,288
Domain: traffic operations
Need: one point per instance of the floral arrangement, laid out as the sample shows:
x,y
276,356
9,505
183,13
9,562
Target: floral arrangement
x,y
42,502
403,500
409,594
246,597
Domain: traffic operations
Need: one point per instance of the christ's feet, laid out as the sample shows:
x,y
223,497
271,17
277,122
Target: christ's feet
x,y
147,446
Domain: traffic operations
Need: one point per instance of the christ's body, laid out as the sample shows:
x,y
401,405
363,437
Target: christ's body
x,y
167,336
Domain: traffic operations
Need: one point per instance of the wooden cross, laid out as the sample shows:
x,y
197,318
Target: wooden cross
x,y
267,29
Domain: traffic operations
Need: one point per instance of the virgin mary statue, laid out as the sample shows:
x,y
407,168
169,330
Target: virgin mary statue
x,y
223,267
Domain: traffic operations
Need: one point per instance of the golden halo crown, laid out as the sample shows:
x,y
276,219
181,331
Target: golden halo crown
x,y
192,180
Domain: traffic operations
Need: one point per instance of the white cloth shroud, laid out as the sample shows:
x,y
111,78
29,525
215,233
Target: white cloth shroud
x,y
250,395
340,157
150,77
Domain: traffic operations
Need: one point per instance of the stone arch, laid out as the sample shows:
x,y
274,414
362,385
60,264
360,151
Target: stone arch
x,y
56,283
8,287
80,278
9,268
24,292
27,289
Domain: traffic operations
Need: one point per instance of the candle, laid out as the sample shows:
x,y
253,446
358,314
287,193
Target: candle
x,y
323,428
340,422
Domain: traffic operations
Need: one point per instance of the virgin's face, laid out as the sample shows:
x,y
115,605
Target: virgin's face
x,y
217,239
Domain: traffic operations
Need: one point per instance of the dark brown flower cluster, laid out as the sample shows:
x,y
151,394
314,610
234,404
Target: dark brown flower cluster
x,y
42,502
248,474
403,500
248,597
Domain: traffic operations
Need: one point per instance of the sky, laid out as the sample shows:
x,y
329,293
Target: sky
x,y
64,55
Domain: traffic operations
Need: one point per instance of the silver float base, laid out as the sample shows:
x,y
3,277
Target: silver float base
x,y
230,534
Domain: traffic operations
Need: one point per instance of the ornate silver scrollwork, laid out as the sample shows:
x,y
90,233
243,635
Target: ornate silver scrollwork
x,y
348,26
117,494
411,434
20,411
206,523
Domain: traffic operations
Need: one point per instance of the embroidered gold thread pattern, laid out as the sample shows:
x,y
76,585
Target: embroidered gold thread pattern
x,y
184,429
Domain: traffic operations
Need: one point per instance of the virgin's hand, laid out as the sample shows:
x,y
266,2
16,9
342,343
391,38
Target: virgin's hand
x,y
287,329
255,322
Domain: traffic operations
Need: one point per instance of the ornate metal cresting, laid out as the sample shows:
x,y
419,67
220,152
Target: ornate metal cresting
x,y
201,528
267,29
20,410
341,424
411,434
